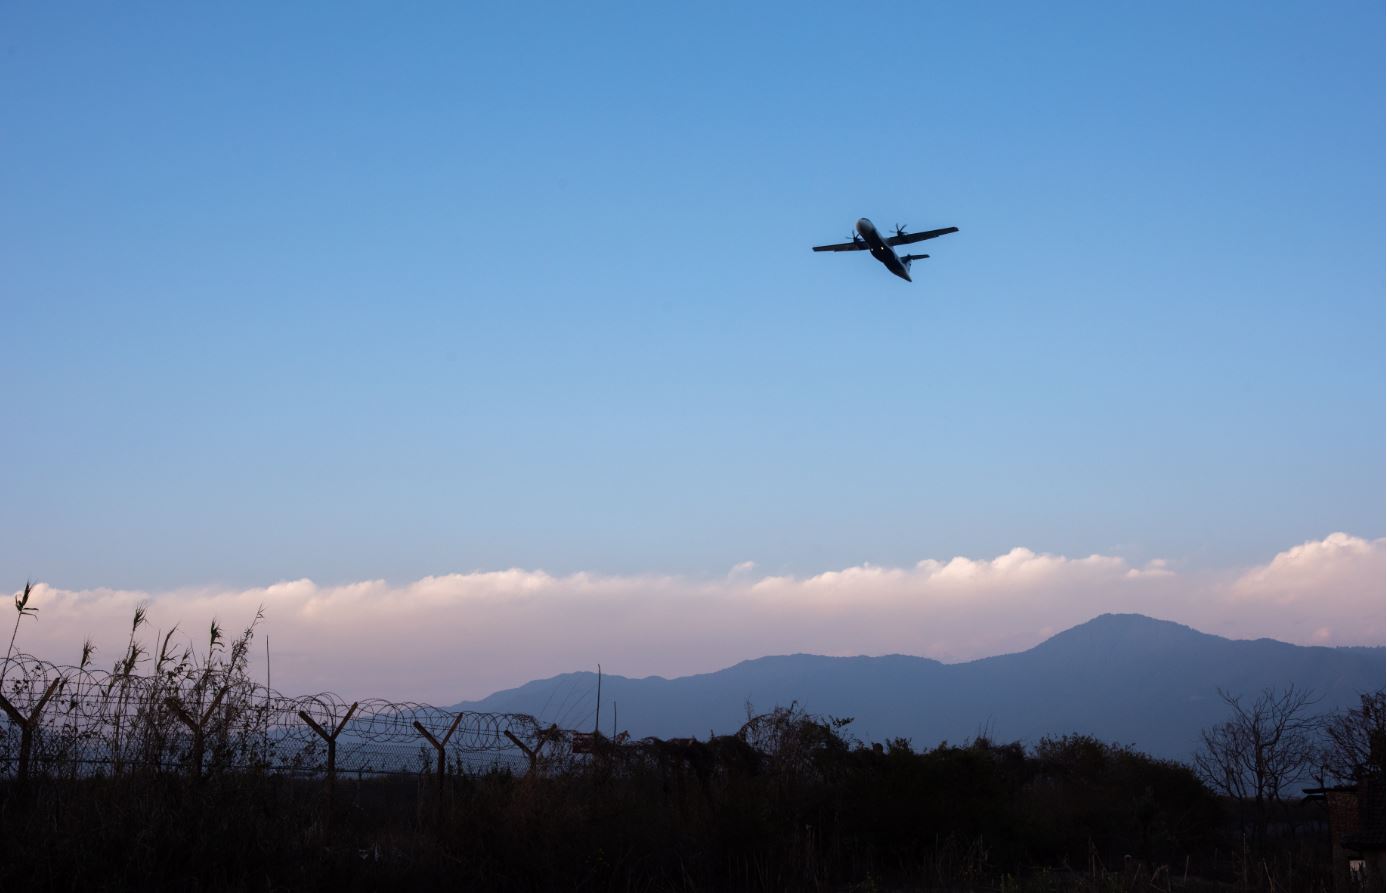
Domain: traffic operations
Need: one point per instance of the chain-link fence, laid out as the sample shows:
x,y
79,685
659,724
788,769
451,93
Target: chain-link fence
x,y
72,721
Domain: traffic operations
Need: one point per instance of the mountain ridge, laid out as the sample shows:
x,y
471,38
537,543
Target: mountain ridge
x,y
1121,677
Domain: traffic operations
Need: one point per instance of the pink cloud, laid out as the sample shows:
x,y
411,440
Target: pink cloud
x,y
1338,565
462,635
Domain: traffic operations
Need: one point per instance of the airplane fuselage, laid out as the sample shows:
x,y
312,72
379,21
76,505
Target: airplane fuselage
x,y
880,250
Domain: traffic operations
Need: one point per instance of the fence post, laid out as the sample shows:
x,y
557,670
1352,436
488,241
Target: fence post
x,y
198,726
532,754
331,739
26,726
442,755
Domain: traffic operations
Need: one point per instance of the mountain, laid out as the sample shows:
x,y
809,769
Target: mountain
x,y
1119,677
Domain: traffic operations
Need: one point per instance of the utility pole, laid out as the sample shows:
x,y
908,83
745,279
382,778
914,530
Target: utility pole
x,y
265,723
597,722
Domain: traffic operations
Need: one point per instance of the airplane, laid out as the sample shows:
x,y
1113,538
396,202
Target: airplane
x,y
866,238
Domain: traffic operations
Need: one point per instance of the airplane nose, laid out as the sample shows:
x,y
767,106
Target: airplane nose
x,y
863,224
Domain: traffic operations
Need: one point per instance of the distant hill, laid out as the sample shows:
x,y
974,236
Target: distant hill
x,y
1120,677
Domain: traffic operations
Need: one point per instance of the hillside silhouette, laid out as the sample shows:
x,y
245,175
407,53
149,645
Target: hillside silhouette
x,y
1125,678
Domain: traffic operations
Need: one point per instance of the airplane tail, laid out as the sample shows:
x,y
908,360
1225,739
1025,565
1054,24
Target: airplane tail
x,y
910,257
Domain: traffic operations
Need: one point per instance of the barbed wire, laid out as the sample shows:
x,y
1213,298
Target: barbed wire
x,y
76,720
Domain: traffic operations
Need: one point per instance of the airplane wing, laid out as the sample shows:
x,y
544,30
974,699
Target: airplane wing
x,y
857,245
908,238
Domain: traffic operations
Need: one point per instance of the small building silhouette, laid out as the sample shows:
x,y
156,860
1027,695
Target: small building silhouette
x,y
1356,832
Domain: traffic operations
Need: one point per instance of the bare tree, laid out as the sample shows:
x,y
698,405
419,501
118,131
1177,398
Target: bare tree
x,y
1262,749
1354,740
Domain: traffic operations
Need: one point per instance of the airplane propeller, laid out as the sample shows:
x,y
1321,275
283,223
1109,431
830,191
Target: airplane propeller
x,y
900,229
854,236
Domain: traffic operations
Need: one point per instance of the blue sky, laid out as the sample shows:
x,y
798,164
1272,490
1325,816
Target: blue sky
x,y
348,291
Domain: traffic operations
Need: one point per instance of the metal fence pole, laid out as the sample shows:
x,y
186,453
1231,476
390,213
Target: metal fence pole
x,y
27,725
331,739
442,754
198,726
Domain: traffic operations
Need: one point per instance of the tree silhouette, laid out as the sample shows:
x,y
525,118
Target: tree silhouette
x,y
1259,752
1354,741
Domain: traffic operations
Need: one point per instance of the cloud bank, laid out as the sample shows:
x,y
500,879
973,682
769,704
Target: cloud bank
x,y
464,635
